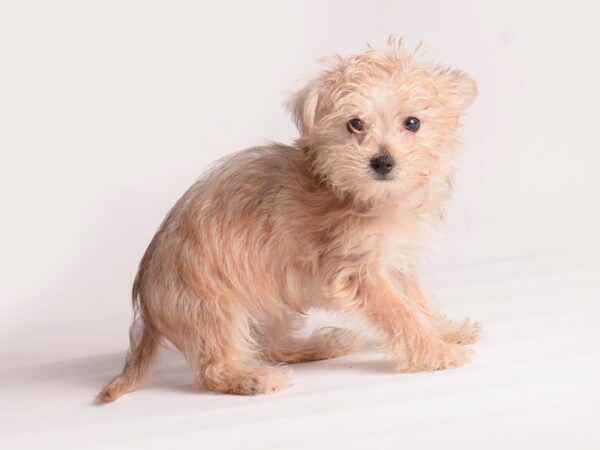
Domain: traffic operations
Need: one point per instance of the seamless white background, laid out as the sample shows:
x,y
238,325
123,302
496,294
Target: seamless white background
x,y
110,110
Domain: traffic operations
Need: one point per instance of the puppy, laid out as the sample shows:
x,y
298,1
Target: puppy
x,y
334,221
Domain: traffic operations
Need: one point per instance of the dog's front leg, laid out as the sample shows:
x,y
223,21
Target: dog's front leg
x,y
465,332
410,340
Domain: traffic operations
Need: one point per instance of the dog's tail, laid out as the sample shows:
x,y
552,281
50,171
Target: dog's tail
x,y
143,346
144,342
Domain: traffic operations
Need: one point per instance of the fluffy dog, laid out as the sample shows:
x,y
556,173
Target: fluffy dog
x,y
334,221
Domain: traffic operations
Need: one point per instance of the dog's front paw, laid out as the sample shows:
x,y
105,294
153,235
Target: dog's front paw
x,y
436,357
462,333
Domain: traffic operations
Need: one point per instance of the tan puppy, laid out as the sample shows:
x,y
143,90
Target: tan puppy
x,y
334,221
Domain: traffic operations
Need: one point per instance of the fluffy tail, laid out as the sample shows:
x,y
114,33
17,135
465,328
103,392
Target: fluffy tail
x,y
144,343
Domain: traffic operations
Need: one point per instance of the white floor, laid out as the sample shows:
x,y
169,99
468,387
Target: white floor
x,y
534,383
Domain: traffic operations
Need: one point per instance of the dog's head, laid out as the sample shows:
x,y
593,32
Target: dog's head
x,y
377,125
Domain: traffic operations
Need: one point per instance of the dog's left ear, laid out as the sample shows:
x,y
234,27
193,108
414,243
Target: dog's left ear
x,y
303,106
455,89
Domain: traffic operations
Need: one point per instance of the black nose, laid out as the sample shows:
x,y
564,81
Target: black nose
x,y
382,164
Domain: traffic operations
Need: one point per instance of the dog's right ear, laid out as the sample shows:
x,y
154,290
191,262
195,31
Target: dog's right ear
x,y
303,106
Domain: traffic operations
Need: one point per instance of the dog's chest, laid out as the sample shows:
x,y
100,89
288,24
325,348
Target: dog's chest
x,y
403,240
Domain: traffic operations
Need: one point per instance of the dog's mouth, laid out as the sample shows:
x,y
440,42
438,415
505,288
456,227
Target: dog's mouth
x,y
386,177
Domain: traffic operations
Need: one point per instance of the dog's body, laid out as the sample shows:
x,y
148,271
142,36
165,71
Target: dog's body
x,y
335,221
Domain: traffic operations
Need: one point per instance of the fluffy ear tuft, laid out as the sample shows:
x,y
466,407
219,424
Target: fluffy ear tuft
x,y
303,106
456,89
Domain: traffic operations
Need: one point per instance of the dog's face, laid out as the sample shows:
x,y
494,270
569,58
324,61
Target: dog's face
x,y
379,124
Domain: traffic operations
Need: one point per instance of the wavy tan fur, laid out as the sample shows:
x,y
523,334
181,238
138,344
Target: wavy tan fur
x,y
275,230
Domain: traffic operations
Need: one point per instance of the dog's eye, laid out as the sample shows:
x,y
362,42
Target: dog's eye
x,y
356,125
412,124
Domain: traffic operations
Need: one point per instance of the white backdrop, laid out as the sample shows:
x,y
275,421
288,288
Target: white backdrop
x,y
110,110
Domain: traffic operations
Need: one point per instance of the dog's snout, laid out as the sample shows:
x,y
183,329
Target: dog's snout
x,y
382,164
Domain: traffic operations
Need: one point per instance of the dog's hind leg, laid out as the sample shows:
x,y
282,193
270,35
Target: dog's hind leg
x,y
280,345
220,347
